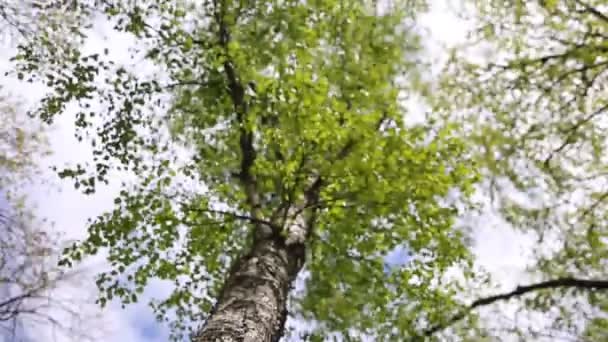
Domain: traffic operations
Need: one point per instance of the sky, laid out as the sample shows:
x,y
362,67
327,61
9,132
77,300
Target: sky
x,y
501,250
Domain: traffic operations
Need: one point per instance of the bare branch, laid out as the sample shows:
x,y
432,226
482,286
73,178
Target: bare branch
x,y
594,11
582,284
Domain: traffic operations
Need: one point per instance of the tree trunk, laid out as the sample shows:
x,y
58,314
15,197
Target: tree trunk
x,y
252,305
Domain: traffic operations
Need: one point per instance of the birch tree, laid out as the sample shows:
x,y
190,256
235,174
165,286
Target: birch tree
x,y
274,143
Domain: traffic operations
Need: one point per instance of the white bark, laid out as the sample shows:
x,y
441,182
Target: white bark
x,y
252,305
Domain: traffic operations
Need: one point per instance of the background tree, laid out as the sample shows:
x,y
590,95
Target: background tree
x,y
22,141
30,281
530,86
32,287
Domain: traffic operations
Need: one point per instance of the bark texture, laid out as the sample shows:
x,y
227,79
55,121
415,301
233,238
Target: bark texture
x,y
252,305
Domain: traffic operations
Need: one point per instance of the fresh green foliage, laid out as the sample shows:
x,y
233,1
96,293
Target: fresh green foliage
x,y
298,95
532,91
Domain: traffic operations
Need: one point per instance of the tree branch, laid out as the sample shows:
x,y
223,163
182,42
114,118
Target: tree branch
x,y
594,11
235,216
237,94
572,131
583,284
183,83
